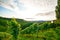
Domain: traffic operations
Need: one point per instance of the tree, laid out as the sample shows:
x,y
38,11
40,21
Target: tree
x,y
58,9
14,28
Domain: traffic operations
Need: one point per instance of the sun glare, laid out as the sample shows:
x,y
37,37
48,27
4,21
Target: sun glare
x,y
28,9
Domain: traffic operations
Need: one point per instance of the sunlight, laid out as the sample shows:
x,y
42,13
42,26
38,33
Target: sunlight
x,y
33,8
24,9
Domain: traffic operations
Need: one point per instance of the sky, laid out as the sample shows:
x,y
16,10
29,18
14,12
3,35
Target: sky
x,y
30,10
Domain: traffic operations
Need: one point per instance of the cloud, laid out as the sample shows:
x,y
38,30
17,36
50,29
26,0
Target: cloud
x,y
43,17
9,4
5,4
29,8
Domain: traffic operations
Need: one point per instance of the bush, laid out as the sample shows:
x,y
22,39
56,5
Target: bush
x,y
5,36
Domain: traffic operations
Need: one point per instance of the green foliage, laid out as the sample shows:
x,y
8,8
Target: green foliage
x,y
44,30
57,30
14,28
3,25
26,25
50,35
18,29
31,29
58,10
5,36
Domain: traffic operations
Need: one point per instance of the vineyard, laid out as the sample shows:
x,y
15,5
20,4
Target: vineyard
x,y
13,29
18,29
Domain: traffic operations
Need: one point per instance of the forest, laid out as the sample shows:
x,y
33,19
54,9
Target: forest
x,y
18,29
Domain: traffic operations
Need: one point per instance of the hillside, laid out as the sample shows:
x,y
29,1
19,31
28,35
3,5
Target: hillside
x,y
18,29
35,30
